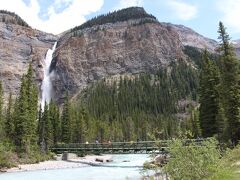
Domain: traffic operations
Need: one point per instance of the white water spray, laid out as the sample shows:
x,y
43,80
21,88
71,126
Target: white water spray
x,y
46,87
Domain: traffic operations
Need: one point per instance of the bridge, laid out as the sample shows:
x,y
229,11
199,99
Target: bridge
x,y
118,147
109,148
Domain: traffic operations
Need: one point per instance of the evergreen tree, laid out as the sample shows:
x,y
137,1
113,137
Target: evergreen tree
x,y
25,114
9,122
22,140
55,121
230,89
80,125
48,129
117,16
196,130
32,103
209,97
39,122
1,113
66,121
41,131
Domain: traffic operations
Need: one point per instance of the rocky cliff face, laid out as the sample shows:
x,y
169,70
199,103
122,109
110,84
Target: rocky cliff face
x,y
116,45
188,37
110,49
20,45
119,45
125,43
236,45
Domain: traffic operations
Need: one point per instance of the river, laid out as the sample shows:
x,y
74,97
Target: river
x,y
116,170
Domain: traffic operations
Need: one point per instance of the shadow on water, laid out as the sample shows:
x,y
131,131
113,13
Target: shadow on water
x,y
104,165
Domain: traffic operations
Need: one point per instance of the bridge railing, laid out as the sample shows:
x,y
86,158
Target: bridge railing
x,y
107,145
122,146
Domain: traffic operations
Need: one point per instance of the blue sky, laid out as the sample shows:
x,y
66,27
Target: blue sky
x,y
56,16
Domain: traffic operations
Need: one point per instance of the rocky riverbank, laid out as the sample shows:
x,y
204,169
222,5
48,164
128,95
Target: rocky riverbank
x,y
62,164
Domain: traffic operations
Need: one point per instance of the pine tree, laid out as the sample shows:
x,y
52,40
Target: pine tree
x,y
209,97
55,121
196,130
66,121
230,89
22,140
32,101
39,122
48,129
42,129
2,133
25,114
79,125
9,122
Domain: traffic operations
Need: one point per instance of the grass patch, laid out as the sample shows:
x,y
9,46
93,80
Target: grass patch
x,y
230,164
193,161
7,156
202,162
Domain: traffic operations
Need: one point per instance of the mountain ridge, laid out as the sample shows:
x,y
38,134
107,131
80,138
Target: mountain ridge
x,y
85,55
189,37
11,17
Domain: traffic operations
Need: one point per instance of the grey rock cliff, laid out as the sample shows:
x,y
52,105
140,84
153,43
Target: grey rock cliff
x,y
236,45
20,45
188,37
110,49
95,52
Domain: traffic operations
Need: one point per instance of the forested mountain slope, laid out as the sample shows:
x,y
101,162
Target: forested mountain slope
x,y
111,45
120,76
128,41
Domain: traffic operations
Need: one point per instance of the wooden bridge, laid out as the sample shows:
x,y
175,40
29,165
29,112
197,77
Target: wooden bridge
x,y
118,147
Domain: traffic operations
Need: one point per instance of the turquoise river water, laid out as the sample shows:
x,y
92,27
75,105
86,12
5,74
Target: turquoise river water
x,y
116,170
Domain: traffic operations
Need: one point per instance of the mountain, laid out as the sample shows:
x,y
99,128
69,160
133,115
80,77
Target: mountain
x,y
188,37
125,42
20,45
236,45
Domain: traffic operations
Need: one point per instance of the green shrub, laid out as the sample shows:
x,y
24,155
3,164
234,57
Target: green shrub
x,y
7,157
35,156
230,165
193,161
81,154
117,16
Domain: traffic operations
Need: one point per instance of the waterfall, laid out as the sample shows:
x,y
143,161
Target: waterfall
x,y
46,87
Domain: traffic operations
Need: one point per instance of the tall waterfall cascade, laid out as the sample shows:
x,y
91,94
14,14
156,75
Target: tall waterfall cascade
x,y
46,87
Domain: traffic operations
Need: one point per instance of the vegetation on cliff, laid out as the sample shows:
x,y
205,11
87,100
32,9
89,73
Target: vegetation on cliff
x,y
116,16
12,18
148,102
129,109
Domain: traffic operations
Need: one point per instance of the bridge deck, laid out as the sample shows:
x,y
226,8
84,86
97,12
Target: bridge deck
x,y
117,147
107,147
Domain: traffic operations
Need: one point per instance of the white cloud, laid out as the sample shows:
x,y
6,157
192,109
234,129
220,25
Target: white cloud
x,y
231,14
57,22
128,3
182,10
59,3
